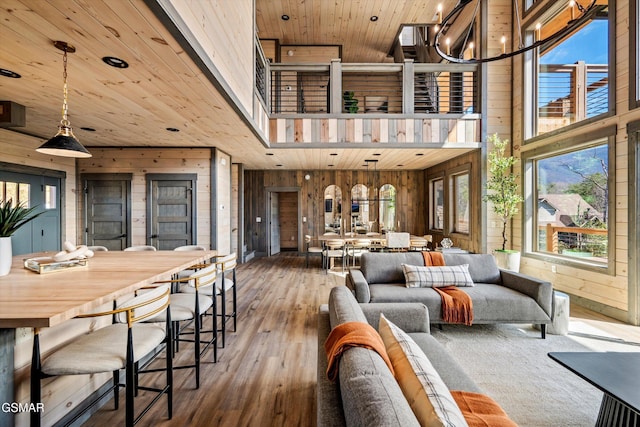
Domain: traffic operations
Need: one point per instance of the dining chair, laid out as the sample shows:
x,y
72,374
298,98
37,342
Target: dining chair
x,y
333,248
120,345
418,244
98,248
311,249
187,272
398,241
356,249
226,266
188,307
140,248
190,248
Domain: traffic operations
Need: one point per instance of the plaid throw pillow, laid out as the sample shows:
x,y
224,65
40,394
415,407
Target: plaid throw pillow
x,y
419,276
428,396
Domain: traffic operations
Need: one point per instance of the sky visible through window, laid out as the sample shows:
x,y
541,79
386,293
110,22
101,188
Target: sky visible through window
x,y
590,44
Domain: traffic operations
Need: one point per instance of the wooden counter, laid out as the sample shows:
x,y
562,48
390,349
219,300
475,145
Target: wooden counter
x,y
29,299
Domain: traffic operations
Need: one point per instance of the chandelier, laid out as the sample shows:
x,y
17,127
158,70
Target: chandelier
x,y
579,16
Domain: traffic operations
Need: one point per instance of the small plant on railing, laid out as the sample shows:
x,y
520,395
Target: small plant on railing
x,y
350,102
502,186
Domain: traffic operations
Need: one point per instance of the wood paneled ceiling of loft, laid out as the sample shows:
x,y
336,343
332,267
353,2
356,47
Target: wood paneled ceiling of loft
x,y
127,107
162,86
345,23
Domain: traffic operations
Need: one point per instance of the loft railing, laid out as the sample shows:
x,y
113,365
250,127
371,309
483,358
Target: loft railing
x,y
398,88
569,93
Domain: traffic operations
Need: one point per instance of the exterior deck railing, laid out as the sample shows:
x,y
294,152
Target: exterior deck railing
x,y
576,241
568,93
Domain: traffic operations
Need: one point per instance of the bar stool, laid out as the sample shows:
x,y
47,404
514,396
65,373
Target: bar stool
x,y
98,248
140,248
227,264
188,307
120,345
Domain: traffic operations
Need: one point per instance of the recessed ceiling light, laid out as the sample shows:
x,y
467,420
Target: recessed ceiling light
x,y
279,166
88,129
377,154
269,154
285,17
399,166
333,154
331,166
8,73
374,18
115,62
419,154
173,129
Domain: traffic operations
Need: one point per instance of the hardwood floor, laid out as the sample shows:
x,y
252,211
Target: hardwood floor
x,y
266,375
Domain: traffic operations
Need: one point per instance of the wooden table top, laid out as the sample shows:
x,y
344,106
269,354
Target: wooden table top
x,y
29,299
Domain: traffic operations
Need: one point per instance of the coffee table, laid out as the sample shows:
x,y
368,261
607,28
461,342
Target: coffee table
x,y
617,374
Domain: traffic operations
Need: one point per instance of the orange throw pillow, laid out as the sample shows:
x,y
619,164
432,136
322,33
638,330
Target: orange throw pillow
x,y
479,410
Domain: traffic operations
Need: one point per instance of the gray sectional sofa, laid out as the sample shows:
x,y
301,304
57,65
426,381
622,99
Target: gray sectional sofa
x,y
499,296
366,392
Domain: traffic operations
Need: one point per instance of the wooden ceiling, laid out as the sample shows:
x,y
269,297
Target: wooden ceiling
x,y
163,88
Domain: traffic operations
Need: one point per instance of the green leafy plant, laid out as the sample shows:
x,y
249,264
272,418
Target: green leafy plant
x,y
502,184
12,217
350,102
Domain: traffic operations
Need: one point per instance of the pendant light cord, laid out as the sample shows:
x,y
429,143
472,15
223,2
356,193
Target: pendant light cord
x,y
65,108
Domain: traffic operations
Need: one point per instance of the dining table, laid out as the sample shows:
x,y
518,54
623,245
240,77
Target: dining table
x,y
32,300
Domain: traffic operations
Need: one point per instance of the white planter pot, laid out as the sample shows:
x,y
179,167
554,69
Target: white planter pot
x,y
508,260
5,255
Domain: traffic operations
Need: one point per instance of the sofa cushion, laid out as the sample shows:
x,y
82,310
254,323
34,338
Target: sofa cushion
x,y
418,276
386,267
423,388
482,267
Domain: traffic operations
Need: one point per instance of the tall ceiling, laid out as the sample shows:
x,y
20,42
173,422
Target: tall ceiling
x,y
163,88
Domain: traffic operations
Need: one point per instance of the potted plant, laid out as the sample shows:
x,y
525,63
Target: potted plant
x,y
350,102
503,194
12,217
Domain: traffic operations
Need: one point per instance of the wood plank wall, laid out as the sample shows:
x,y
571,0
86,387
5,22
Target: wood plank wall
x,y
411,201
289,220
216,27
142,161
472,241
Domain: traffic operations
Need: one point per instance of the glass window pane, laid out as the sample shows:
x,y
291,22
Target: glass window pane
x,y
437,204
573,81
461,203
23,195
573,199
50,200
12,192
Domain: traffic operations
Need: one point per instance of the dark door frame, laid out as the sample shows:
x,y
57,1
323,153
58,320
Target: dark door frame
x,y
150,177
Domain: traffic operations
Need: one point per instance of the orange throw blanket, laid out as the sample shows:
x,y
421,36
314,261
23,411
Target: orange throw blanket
x,y
457,306
352,334
480,410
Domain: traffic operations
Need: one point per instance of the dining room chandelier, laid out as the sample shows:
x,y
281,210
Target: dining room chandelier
x,y
64,143
578,14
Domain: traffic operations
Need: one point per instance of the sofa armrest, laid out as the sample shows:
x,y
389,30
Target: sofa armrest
x,y
358,285
329,401
540,290
410,317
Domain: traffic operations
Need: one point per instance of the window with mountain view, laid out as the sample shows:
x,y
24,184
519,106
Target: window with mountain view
x,y
572,79
572,215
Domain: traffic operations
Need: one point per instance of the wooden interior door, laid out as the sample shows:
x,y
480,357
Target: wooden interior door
x,y
288,221
108,211
171,202
274,223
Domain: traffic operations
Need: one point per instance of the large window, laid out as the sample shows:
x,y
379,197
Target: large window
x,y
437,204
571,214
460,203
572,79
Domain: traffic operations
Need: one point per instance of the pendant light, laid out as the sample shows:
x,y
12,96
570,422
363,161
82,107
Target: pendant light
x,y
64,143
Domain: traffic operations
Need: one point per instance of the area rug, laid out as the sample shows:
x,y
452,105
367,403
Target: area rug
x,y
510,363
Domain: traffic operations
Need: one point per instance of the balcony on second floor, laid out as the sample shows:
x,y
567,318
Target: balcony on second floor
x,y
434,105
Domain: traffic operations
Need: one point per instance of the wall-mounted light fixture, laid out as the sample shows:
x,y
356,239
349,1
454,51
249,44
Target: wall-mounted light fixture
x,y
64,143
